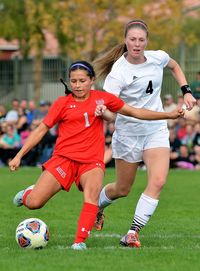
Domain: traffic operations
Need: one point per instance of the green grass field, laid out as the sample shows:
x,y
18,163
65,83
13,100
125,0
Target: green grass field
x,y
170,241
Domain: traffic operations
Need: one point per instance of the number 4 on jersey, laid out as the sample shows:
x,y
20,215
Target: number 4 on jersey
x,y
149,88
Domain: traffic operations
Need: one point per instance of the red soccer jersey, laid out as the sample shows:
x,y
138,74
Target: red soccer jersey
x,y
80,132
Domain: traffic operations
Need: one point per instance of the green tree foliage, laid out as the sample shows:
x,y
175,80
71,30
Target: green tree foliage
x,y
85,28
26,20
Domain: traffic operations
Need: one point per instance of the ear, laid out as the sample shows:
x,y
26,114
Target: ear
x,y
92,80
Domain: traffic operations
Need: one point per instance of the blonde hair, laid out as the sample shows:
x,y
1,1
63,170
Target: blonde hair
x,y
104,63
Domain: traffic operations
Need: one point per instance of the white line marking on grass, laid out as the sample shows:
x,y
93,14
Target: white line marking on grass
x,y
160,236
59,247
106,235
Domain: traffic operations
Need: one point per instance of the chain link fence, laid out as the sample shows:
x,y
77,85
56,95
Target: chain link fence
x,y
17,78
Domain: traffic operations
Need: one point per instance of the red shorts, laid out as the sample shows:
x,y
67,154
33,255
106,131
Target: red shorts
x,y
67,171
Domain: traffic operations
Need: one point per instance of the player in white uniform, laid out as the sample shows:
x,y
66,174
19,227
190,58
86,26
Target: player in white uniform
x,y
136,77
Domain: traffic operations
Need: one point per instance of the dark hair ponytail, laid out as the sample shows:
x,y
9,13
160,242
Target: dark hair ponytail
x,y
67,91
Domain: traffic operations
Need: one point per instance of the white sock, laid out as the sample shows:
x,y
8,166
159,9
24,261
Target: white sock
x,y
103,199
145,208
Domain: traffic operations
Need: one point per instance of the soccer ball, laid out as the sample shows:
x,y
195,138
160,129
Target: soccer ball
x,y
32,233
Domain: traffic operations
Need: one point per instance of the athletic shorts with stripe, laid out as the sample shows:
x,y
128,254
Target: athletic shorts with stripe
x,y
67,171
131,148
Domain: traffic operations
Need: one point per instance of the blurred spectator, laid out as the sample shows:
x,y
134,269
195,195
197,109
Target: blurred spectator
x,y
196,140
189,137
2,113
181,128
24,105
31,158
169,105
184,159
180,100
24,134
9,143
31,110
22,122
195,86
12,115
108,160
197,157
3,127
175,144
45,148
40,113
10,139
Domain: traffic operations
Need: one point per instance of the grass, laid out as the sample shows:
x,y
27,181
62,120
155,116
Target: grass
x,y
170,241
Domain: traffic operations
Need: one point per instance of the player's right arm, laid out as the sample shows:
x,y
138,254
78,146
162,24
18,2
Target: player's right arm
x,y
34,138
106,114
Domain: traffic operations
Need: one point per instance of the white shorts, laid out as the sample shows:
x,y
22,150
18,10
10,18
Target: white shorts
x,y
131,148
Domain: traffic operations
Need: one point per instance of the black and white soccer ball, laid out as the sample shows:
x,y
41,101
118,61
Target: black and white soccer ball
x,y
32,233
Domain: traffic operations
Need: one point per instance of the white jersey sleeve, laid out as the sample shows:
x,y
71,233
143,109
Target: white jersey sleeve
x,y
162,57
112,85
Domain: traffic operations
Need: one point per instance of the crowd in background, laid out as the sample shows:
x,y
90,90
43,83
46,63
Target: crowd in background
x,y
17,123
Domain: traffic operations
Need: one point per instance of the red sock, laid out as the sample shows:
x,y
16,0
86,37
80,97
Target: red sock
x,y
25,196
86,221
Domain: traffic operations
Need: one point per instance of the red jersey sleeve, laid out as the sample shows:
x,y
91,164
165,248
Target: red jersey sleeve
x,y
112,102
54,114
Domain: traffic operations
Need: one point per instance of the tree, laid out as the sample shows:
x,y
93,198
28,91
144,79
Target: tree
x,y
85,28
26,20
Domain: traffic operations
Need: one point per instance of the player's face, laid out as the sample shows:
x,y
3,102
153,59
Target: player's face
x,y
80,84
136,42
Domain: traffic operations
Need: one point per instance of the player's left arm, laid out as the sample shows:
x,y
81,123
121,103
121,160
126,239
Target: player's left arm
x,y
145,114
178,74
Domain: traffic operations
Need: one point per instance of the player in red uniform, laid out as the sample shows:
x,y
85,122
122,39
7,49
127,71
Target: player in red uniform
x,y
79,149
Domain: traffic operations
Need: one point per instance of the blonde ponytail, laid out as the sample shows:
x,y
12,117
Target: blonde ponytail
x,y
104,63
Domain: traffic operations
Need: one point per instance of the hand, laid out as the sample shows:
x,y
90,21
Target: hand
x,y
189,101
177,113
100,109
14,163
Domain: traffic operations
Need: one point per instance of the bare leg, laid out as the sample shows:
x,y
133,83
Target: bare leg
x,y
91,182
157,162
44,189
126,173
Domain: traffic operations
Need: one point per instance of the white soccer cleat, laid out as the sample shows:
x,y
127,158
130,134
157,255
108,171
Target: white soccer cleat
x,y
17,201
79,246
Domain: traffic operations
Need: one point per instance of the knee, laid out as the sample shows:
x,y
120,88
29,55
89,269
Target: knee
x,y
123,191
92,196
33,204
159,183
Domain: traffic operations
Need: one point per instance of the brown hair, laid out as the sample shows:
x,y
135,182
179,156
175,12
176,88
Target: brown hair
x,y
104,63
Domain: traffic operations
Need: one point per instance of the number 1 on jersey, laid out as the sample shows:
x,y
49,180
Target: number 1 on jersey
x,y
87,124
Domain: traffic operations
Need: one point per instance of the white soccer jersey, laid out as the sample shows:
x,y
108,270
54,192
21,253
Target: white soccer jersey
x,y
138,85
